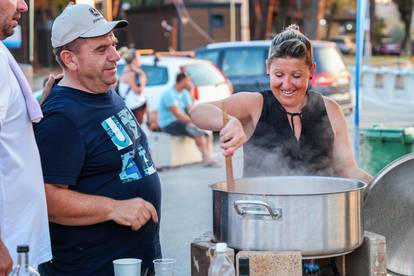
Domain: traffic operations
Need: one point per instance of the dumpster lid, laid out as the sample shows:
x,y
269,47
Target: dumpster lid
x,y
388,210
380,133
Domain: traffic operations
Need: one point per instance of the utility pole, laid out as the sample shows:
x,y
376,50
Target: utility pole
x,y
367,33
232,20
245,24
107,9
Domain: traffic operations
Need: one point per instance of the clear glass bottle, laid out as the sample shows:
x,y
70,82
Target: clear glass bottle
x,y
23,267
221,265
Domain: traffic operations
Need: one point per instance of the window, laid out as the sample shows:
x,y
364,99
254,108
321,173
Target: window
x,y
328,59
212,56
156,75
244,62
216,20
204,74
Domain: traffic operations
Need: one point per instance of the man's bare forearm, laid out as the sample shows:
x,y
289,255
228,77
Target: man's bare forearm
x,y
183,118
69,207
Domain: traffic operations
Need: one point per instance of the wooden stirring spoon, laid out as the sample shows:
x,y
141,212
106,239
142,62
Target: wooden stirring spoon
x,y
229,159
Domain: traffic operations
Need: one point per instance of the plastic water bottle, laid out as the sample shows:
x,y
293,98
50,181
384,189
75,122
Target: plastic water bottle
x,y
23,267
221,265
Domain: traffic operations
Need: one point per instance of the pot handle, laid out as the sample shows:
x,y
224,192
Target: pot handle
x,y
243,211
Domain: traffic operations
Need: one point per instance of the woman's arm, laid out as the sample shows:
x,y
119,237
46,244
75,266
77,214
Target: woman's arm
x,y
243,108
345,164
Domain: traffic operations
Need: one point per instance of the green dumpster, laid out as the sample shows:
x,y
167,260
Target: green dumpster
x,y
379,146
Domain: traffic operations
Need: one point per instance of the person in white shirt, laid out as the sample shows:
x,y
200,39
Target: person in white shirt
x,y
23,211
132,84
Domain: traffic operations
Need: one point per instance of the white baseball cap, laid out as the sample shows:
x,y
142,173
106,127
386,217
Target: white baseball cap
x,y
81,20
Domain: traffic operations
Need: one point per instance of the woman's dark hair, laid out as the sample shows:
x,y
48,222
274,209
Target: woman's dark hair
x,y
180,76
291,43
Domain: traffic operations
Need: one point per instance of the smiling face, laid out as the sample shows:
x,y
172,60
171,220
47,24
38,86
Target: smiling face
x,y
10,13
289,79
94,63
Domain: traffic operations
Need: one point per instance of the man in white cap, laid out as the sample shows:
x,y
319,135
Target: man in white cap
x,y
23,214
103,192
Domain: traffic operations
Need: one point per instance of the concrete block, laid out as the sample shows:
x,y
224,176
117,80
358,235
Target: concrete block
x,y
369,259
202,252
172,151
269,263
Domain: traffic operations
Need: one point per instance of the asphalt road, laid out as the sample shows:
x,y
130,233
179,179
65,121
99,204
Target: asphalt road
x,y
187,206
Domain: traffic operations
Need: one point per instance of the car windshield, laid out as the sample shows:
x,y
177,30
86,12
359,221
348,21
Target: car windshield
x,y
212,56
328,60
204,74
244,62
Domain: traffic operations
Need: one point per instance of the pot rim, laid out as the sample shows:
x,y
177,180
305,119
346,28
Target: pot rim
x,y
362,186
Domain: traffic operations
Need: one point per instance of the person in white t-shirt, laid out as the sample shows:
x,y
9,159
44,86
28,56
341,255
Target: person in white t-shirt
x,y
132,84
23,211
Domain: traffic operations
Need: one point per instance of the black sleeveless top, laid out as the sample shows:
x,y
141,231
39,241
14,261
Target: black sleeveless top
x,y
273,149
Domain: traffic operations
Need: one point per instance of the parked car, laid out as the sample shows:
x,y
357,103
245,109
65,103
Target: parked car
x,y
210,84
389,47
244,64
345,45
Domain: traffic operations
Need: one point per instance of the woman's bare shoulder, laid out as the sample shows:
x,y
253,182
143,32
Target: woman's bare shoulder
x,y
335,113
331,106
250,98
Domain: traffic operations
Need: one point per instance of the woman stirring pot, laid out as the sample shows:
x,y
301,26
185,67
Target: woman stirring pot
x,y
288,130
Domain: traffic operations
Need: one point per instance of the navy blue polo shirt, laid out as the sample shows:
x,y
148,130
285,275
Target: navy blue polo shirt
x,y
93,144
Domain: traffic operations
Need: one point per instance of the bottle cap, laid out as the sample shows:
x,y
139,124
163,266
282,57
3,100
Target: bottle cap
x,y
221,247
22,248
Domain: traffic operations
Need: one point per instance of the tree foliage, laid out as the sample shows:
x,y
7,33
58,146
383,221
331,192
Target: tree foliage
x,y
405,7
336,7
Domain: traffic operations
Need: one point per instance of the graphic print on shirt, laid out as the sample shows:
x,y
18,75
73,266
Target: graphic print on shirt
x,y
137,162
130,170
117,133
146,161
128,119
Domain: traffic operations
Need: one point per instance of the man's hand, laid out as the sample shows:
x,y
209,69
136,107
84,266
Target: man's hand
x,y
232,136
6,263
48,86
134,212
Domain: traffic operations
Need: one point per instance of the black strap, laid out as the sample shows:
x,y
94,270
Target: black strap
x,y
293,114
127,92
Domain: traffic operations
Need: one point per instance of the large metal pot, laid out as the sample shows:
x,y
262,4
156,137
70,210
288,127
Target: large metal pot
x,y
320,216
389,211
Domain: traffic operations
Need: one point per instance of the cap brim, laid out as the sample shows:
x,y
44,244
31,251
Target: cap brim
x,y
104,28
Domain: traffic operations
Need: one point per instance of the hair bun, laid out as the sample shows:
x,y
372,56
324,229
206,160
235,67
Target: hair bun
x,y
293,27
127,54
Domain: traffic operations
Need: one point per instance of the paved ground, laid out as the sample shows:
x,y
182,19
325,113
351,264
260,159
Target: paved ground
x,y
186,207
